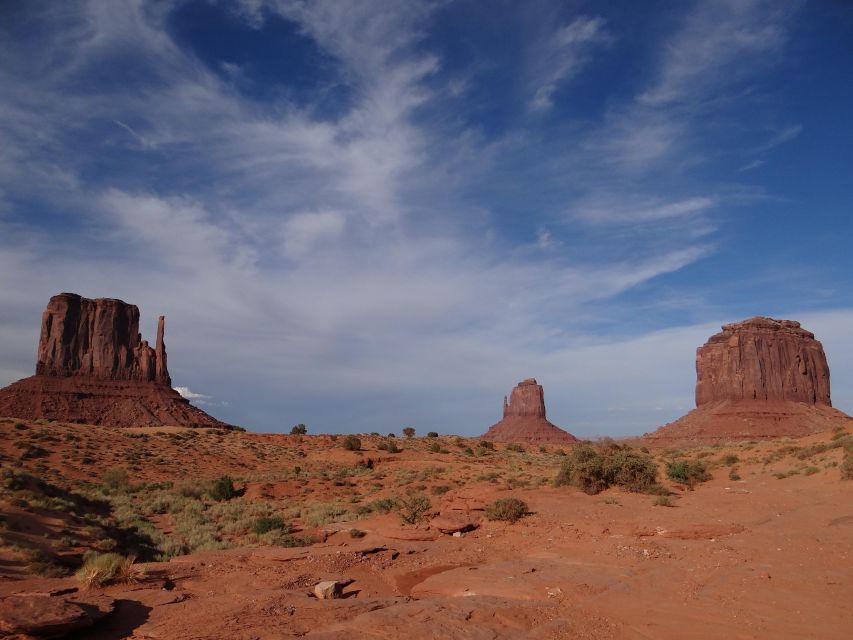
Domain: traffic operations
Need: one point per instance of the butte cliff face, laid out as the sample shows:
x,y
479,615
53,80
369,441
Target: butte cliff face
x,y
758,378
98,339
94,367
524,418
762,359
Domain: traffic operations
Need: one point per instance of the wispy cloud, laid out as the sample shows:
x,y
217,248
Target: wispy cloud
x,y
562,55
391,248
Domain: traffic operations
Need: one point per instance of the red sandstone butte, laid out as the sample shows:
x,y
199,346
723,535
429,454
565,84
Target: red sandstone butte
x,y
524,418
93,367
760,378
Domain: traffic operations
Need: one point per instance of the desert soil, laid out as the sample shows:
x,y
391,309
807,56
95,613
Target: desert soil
x,y
762,550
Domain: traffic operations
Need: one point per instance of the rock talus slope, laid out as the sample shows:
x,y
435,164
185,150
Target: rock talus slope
x,y
94,367
524,418
759,378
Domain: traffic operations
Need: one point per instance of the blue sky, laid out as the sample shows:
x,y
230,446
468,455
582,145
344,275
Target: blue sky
x,y
367,215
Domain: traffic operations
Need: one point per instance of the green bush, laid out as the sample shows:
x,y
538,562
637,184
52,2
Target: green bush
x,y
593,469
730,459
689,472
507,509
351,443
434,447
299,430
265,525
432,434
383,505
222,489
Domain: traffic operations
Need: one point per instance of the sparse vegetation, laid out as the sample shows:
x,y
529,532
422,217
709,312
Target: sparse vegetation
x,y
594,468
412,508
299,430
351,443
506,509
409,432
662,501
847,463
100,569
390,446
688,472
222,489
265,525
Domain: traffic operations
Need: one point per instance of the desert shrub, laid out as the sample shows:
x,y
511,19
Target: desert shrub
x,y
100,569
392,435
689,472
594,468
299,430
383,505
434,447
357,533
265,525
468,451
507,509
390,446
19,426
115,479
351,443
730,459
321,513
810,471
432,434
733,474
662,501
512,446
409,432
440,490
847,463
412,508
222,489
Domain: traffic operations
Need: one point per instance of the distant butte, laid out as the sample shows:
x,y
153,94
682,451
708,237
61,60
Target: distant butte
x,y
93,367
760,378
524,419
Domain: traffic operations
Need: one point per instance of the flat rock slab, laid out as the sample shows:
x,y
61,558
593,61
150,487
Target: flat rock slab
x,y
50,617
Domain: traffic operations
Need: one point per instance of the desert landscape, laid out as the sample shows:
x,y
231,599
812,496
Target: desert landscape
x,y
426,319
732,525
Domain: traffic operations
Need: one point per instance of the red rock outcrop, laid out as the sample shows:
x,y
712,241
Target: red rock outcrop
x,y
94,367
524,418
762,359
760,378
98,339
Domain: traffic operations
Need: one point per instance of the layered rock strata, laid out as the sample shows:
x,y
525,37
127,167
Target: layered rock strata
x,y
94,367
524,418
760,378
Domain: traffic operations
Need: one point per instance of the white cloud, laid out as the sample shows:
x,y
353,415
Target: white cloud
x,y
561,56
197,398
627,209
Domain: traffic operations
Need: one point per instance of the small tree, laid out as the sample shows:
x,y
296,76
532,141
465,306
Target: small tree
x,y
409,432
432,434
299,430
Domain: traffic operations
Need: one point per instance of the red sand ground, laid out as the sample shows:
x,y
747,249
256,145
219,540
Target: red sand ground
x,y
758,557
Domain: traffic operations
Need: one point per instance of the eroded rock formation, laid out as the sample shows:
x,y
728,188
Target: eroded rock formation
x,y
94,367
762,359
524,418
759,378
